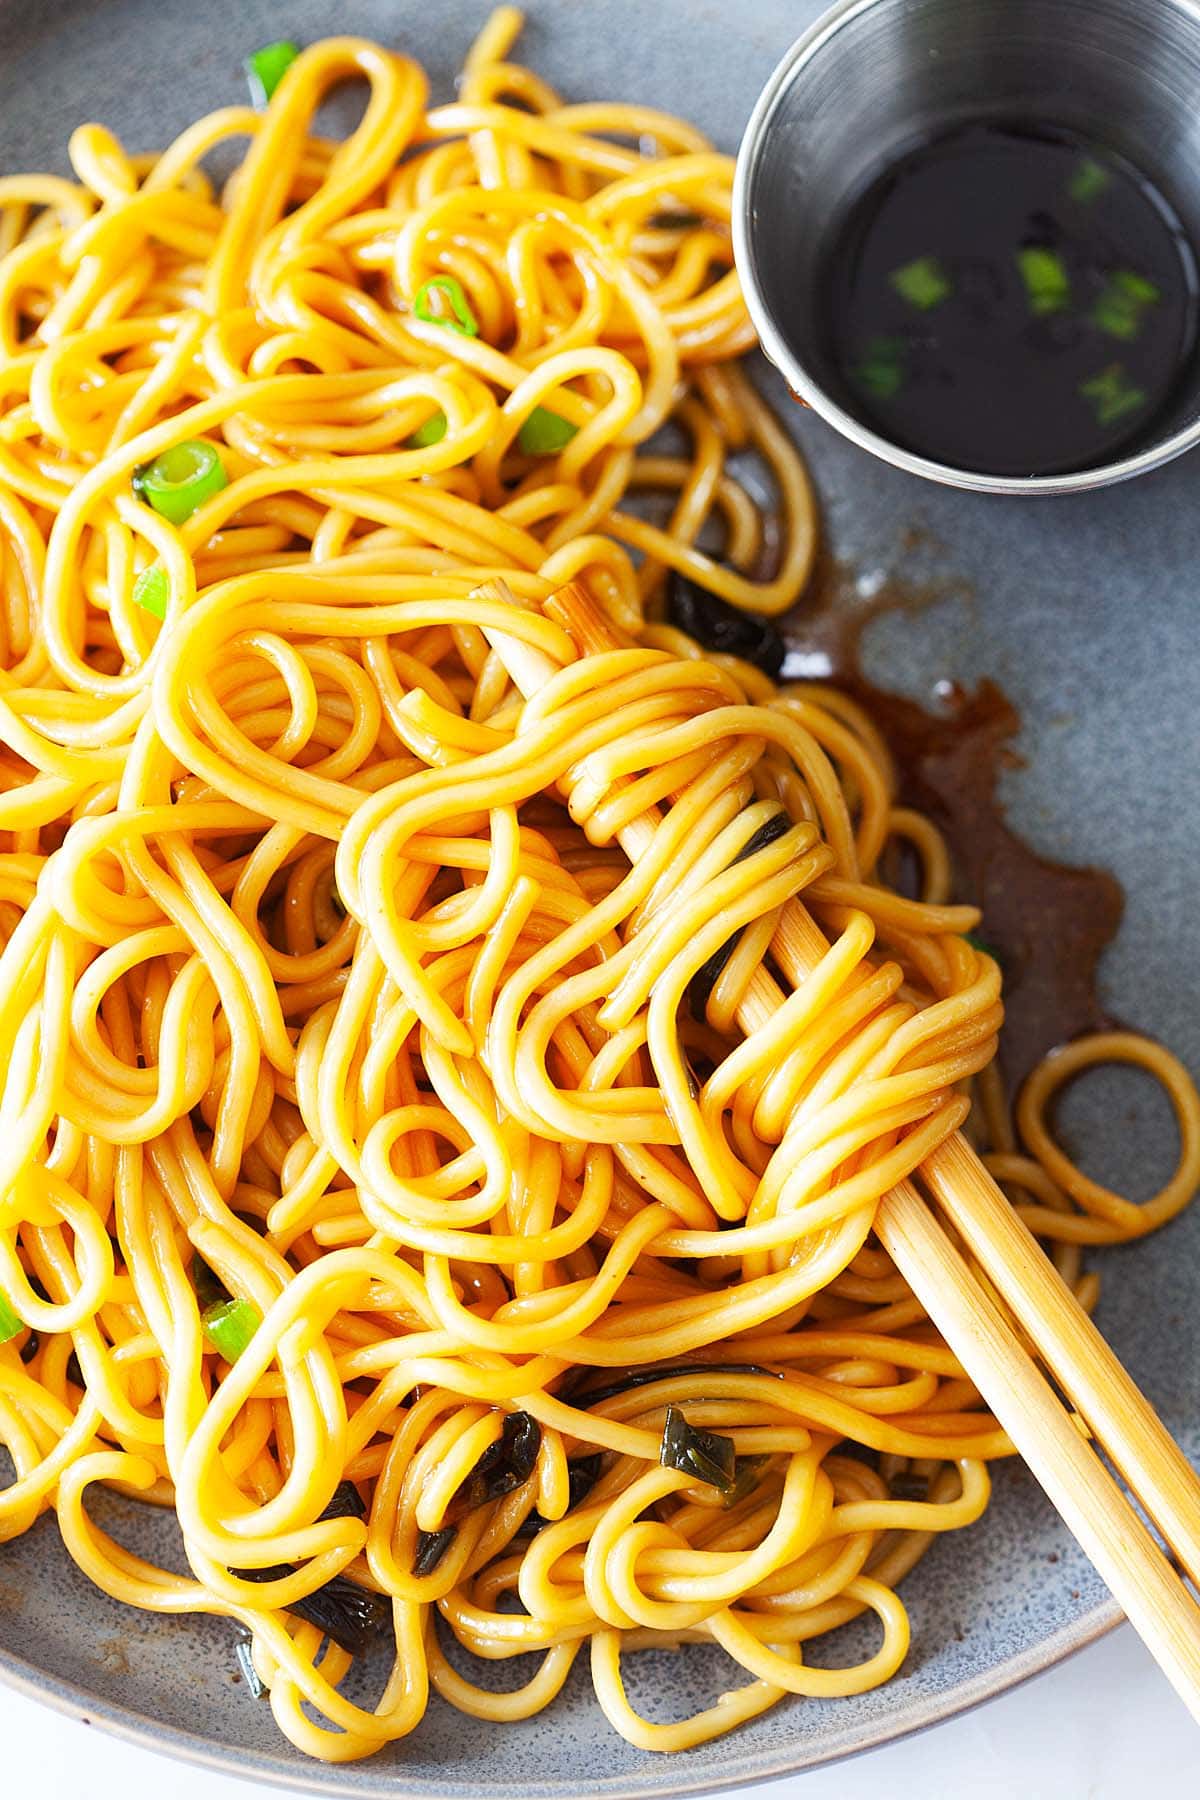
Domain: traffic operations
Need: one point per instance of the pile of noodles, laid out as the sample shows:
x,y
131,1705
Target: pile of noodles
x,y
327,985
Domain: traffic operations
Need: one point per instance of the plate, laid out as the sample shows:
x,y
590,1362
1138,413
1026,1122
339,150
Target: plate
x,y
1085,610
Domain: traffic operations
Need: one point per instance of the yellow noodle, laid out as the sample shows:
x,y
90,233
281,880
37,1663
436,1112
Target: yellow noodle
x,y
325,977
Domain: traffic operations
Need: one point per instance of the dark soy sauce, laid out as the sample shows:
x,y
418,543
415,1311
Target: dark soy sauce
x,y
1010,299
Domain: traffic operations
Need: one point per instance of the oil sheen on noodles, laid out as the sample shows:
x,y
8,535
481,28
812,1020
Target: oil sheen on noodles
x,y
379,1163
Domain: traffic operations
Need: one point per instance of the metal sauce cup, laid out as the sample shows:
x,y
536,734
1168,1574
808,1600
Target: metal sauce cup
x,y
871,77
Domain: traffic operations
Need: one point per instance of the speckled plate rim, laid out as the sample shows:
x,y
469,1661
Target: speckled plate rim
x,y
133,1727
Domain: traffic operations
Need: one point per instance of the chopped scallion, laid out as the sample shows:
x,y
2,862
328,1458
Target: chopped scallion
x,y
453,310
152,590
230,1325
544,433
1111,394
702,1455
343,1611
243,1652
1089,181
431,431
923,283
1047,284
881,372
431,1548
1124,299
180,480
10,1325
267,67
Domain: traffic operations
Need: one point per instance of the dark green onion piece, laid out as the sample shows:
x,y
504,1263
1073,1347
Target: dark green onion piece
x,y
1089,181
180,480
724,629
345,1503
346,1613
1047,284
10,1325
267,67
923,283
1111,395
545,433
701,1455
431,431
881,372
431,1548
460,317
1121,305
152,590
504,1466
244,1657
230,1325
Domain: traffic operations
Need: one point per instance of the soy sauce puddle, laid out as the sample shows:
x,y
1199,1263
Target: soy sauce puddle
x,y
1049,921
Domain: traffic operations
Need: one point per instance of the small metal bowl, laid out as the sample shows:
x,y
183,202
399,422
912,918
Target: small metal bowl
x,y
873,76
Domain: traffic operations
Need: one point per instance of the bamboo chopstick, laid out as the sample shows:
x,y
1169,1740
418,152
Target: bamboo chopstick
x,y
1095,1511
1152,1594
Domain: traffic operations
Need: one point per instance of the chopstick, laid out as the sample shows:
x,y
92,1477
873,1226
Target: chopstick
x,y
1151,1592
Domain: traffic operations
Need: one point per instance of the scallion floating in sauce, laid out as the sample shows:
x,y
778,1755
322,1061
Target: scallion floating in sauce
x,y
1112,395
923,283
1047,283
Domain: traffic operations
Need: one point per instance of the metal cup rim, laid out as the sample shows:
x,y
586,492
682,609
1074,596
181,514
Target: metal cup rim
x,y
804,386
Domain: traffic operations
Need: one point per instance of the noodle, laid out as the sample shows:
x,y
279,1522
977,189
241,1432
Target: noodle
x,y
387,1181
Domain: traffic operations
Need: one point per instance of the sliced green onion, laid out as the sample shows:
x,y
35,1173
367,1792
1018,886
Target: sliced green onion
x,y
881,372
10,1325
267,67
431,1548
923,283
459,318
1089,181
1047,284
701,1455
244,1657
1125,298
431,431
152,590
545,433
230,1325
180,480
1111,395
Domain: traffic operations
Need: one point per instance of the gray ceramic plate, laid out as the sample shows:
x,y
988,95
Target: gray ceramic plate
x,y
1086,611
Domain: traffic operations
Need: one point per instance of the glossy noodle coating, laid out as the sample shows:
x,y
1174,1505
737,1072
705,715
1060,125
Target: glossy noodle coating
x,y
376,1177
